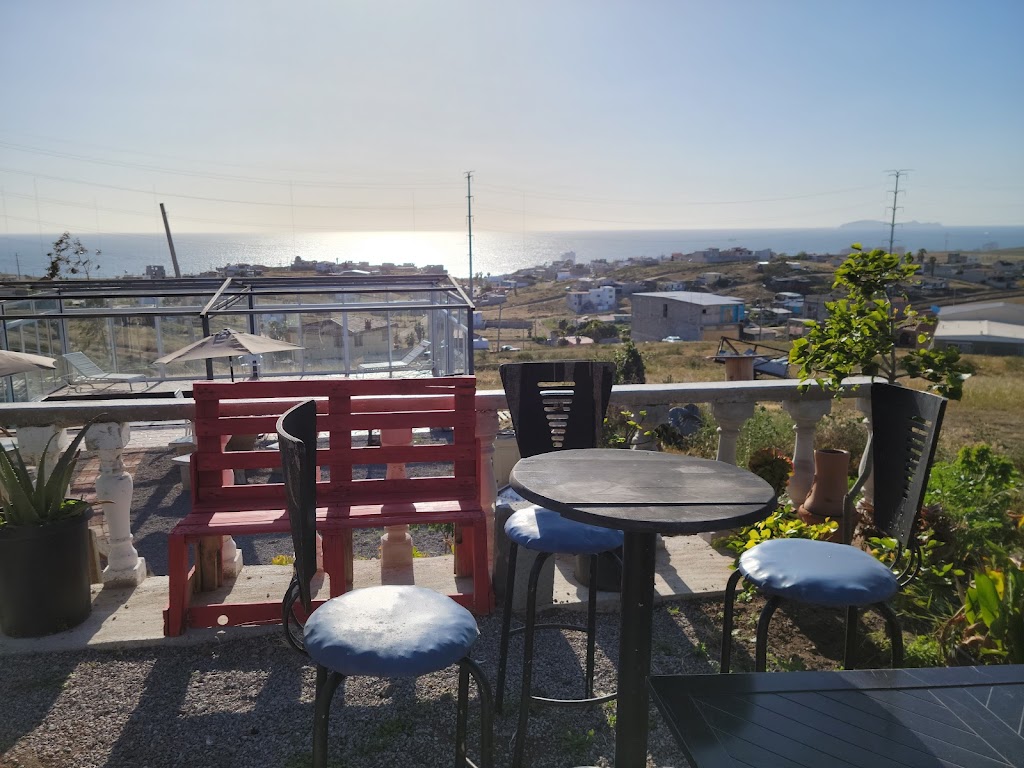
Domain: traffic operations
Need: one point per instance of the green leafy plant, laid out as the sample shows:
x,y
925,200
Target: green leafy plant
x,y
861,333
977,496
42,499
994,610
781,524
620,429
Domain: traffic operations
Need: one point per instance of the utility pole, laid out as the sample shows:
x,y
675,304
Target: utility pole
x,y
170,242
471,367
895,195
469,222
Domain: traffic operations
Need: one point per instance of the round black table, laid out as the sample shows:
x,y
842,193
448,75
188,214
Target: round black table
x,y
642,493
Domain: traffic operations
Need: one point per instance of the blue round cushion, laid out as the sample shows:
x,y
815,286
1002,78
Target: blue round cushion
x,y
817,572
390,631
543,530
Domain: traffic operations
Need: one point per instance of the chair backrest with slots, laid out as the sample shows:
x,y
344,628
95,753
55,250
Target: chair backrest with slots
x,y
558,404
905,427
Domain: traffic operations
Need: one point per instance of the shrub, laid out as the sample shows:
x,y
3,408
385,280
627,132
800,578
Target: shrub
x,y
977,492
767,429
629,365
772,465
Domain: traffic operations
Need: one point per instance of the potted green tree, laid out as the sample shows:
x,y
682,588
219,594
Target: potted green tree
x,y
862,331
861,336
44,545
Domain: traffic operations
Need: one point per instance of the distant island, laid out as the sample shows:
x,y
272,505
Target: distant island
x,y
868,223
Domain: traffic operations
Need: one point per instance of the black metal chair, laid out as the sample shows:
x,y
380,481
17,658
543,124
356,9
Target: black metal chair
x,y
388,631
905,429
554,406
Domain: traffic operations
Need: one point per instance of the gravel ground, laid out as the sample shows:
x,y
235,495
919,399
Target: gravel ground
x,y
247,702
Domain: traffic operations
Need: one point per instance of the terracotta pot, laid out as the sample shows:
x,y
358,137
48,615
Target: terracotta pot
x,y
829,487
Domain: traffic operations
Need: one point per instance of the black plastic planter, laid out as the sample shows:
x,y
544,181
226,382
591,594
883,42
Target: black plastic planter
x,y
44,577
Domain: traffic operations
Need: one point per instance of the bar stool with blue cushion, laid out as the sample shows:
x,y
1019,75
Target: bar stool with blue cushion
x,y
554,406
905,429
388,631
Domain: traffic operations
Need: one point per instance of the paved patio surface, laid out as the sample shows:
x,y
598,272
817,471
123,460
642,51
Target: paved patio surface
x,y
122,618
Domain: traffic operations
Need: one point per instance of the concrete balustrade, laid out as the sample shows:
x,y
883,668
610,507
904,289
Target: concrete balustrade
x,y
731,403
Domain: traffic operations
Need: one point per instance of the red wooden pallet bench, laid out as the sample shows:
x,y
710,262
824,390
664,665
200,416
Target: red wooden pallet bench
x,y
220,507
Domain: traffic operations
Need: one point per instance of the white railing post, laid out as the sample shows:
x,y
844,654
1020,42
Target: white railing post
x,y
486,434
805,414
730,418
114,487
32,442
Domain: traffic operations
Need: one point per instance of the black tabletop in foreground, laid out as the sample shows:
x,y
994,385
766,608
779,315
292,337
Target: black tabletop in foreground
x,y
971,717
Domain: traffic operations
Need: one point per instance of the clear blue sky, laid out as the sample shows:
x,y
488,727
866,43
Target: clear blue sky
x,y
254,116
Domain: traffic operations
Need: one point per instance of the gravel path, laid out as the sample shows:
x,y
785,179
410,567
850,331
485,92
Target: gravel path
x,y
247,703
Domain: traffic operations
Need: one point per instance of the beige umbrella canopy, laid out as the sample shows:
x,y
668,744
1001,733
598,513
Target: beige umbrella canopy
x,y
227,343
20,362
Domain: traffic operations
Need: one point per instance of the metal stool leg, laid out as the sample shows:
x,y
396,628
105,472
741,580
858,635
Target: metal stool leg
x,y
527,685
327,683
588,682
895,633
506,625
725,660
761,647
469,667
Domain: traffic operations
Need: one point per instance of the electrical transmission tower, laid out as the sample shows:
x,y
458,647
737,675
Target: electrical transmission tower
x,y
895,195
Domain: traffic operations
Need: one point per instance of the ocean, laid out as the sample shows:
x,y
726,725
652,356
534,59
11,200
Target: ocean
x,y
493,252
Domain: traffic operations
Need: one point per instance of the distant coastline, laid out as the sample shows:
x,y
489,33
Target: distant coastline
x,y
493,252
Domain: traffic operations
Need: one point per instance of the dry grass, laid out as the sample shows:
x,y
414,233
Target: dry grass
x,y
991,411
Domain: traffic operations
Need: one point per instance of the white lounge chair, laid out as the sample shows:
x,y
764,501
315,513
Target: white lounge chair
x,y
405,362
89,373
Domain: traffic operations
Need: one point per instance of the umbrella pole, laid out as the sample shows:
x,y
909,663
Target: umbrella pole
x,y
231,367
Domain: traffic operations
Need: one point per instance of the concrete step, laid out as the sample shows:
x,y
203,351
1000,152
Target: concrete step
x,y
687,567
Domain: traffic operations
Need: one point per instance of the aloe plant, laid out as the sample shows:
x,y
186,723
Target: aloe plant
x,y
43,500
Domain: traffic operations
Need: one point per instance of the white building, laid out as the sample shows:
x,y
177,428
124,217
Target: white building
x,y
982,327
592,300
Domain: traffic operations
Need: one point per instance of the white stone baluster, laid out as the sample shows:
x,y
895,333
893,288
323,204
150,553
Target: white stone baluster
x,y
486,433
230,558
644,439
114,486
396,543
730,418
32,442
805,414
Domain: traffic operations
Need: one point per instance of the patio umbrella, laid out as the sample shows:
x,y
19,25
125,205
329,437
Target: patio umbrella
x,y
20,362
227,343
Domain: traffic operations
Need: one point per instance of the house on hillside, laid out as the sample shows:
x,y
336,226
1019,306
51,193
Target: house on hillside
x,y
592,300
982,327
324,340
690,315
